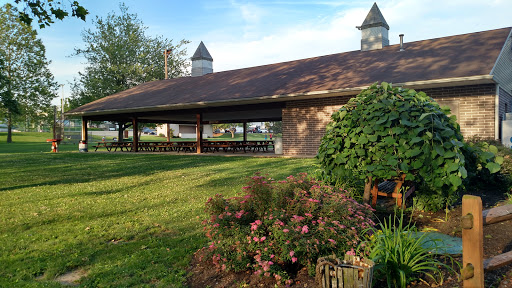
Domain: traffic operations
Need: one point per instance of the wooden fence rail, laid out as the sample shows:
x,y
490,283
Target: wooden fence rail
x,y
473,220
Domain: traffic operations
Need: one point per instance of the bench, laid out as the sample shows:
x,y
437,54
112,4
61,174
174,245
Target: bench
x,y
392,189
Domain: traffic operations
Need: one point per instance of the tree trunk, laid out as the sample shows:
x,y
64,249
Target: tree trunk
x,y
367,190
120,132
9,128
232,132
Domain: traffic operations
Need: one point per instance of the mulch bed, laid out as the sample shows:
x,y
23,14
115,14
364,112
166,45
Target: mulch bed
x,y
497,240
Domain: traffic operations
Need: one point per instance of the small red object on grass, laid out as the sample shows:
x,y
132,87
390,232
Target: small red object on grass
x,y
55,144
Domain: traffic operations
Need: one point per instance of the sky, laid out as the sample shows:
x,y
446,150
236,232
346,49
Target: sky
x,y
241,34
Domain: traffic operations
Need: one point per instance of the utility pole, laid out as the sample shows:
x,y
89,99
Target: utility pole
x,y
166,54
62,103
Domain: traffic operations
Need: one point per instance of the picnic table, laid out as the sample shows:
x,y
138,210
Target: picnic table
x,y
188,146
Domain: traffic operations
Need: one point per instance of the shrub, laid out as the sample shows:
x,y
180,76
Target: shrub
x,y
386,131
400,255
277,227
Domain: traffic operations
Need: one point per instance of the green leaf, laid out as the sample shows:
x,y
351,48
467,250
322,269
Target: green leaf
x,y
417,164
342,114
382,120
449,154
367,130
493,149
498,160
455,180
392,161
439,150
452,167
493,167
404,167
384,85
487,155
447,133
372,138
424,115
463,172
389,140
362,140
429,134
413,152
416,140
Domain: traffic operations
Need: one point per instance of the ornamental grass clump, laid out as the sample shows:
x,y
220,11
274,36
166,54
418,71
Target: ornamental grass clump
x,y
277,227
403,255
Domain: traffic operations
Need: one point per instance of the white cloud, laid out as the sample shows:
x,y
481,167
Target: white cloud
x,y
328,34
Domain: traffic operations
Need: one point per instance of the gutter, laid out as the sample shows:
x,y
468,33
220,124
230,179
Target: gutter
x,y
446,82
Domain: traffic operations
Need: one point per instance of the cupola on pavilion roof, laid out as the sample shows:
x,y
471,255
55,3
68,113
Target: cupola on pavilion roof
x,y
374,19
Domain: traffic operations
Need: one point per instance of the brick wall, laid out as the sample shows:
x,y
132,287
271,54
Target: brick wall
x,y
304,121
476,104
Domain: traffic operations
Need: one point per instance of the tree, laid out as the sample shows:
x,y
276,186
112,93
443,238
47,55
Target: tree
x,y
46,11
229,126
120,56
385,132
276,126
29,86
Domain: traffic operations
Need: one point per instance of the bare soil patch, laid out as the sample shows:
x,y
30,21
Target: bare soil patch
x,y
71,278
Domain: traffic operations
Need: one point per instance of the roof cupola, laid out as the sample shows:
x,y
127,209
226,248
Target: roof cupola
x,y
202,61
374,30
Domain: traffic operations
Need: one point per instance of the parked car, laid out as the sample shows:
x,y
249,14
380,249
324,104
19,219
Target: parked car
x,y
263,131
147,130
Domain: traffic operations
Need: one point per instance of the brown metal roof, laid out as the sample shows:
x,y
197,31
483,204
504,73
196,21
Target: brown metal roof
x,y
458,56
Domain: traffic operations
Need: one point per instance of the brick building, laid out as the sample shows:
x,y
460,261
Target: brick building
x,y
470,73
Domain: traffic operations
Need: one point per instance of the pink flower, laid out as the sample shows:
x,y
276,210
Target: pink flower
x,y
263,238
286,230
332,241
294,259
305,229
255,239
292,253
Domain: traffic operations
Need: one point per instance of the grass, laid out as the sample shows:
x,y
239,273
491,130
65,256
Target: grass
x,y
127,219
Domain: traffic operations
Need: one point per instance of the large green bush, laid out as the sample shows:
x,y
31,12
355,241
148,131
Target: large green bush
x,y
278,227
387,131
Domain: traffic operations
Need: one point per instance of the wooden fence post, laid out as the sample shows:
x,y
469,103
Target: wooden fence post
x,y
472,241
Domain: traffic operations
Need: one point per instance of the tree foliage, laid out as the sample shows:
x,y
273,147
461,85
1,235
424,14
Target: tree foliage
x,y
275,126
230,126
28,87
47,11
385,132
120,55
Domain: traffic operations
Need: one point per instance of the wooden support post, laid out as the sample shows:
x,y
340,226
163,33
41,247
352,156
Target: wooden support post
x,y
472,241
168,132
245,131
135,125
84,130
199,134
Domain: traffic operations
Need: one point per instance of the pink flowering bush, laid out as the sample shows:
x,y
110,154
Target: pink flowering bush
x,y
278,227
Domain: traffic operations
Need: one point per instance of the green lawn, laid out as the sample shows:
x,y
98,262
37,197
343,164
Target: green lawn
x,y
126,219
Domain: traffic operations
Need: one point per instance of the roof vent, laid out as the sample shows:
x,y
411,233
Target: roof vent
x,y
401,42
